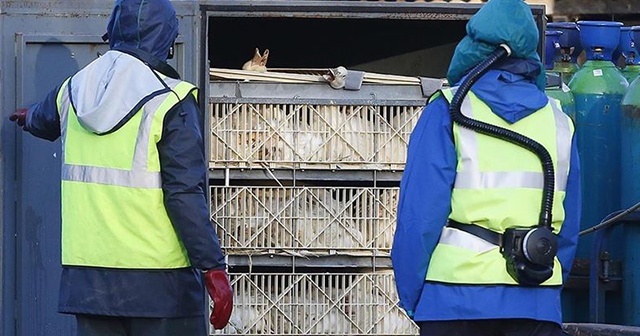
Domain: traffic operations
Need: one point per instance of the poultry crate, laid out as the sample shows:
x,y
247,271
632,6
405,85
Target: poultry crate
x,y
304,219
312,126
316,304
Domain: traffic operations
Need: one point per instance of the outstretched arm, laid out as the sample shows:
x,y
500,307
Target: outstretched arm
x,y
42,119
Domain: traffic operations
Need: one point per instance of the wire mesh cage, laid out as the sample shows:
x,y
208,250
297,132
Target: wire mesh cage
x,y
255,135
313,219
316,304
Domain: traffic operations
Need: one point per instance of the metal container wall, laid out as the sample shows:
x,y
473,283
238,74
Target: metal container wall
x,y
630,194
42,43
598,88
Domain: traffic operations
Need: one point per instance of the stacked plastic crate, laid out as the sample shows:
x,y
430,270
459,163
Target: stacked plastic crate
x,y
304,184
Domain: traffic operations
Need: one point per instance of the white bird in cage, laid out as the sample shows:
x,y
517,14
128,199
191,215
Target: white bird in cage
x,y
307,146
300,146
256,218
394,323
218,146
397,134
385,229
374,311
329,322
247,316
323,316
256,129
258,63
350,133
336,77
322,222
288,316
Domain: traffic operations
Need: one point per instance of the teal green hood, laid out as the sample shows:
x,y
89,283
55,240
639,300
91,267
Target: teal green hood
x,y
498,22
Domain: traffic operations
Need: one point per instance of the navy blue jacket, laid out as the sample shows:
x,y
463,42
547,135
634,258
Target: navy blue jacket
x,y
146,30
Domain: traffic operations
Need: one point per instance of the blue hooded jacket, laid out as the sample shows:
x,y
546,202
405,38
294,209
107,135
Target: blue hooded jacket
x,y
511,90
145,30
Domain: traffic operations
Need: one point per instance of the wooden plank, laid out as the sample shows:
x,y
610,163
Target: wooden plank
x,y
304,76
264,76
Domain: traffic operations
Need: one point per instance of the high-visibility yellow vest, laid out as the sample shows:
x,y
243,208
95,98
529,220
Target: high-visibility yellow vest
x,y
113,212
499,185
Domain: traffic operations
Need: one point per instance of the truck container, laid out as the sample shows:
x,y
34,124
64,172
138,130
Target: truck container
x,y
303,177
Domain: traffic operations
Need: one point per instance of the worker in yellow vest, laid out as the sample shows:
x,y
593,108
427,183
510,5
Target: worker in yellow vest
x,y
137,241
460,266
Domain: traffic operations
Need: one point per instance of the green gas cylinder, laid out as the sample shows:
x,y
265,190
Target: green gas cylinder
x,y
628,48
598,88
556,87
631,72
559,90
630,162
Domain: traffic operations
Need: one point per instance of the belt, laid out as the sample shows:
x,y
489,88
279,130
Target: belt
x,y
478,231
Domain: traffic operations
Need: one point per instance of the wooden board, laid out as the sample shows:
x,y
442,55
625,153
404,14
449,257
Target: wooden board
x,y
301,75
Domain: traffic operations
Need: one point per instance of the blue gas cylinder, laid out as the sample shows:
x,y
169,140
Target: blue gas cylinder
x,y
598,88
555,87
570,49
628,49
630,194
617,58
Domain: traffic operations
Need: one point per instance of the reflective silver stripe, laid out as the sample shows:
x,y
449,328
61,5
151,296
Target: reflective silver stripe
x,y
138,176
563,145
469,175
63,110
465,240
497,180
110,176
468,141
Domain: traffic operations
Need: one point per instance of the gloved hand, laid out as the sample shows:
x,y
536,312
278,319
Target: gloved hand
x,y
219,288
20,117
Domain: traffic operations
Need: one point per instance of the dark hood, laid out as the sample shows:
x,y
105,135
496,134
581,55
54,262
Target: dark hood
x,y
143,26
498,22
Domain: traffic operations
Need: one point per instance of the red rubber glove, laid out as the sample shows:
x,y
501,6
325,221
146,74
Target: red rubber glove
x,y
19,116
219,288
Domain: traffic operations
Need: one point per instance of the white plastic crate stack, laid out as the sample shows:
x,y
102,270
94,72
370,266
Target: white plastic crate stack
x,y
308,238
305,220
317,304
311,136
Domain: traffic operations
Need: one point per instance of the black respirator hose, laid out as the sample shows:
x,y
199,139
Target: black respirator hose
x,y
505,134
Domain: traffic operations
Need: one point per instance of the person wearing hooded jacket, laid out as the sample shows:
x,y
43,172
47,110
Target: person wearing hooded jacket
x,y
136,232
451,282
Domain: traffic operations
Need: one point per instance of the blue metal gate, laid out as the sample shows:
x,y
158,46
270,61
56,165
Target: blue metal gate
x,y
43,42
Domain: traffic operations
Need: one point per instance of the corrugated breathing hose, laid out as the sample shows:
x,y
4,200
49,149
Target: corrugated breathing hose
x,y
529,252
505,134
